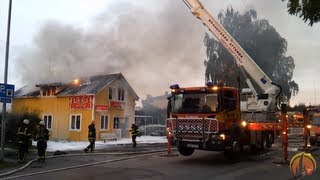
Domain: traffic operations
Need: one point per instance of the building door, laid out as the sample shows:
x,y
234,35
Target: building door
x,y
123,126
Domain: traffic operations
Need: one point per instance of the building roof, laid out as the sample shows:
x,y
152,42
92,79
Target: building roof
x,y
86,86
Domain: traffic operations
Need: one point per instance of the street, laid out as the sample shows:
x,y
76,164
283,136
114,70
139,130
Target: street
x,y
201,165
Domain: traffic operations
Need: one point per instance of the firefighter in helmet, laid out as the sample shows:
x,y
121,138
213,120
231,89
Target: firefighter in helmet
x,y
23,137
91,137
42,138
134,133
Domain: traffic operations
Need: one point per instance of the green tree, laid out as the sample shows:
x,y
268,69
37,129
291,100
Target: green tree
x,y
14,120
261,41
308,10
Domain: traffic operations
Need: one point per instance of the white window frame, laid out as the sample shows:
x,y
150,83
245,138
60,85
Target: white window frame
x,y
113,94
106,122
121,93
70,124
116,119
46,121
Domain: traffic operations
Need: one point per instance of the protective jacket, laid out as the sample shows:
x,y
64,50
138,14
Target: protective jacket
x,y
42,134
135,130
23,134
92,132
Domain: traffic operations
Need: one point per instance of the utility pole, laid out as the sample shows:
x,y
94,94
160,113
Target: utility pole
x,y
4,107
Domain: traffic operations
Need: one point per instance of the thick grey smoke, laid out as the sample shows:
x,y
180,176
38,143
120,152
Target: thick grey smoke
x,y
151,47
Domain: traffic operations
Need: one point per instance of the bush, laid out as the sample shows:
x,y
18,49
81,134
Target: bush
x,y
14,120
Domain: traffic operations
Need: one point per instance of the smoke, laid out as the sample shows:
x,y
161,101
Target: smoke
x,y
152,47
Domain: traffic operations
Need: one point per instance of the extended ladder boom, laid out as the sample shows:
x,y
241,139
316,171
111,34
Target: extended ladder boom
x,y
243,60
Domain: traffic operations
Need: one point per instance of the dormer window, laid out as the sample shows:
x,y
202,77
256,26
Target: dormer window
x,y
121,94
48,91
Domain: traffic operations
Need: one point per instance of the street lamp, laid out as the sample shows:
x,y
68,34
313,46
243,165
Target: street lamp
x,y
4,107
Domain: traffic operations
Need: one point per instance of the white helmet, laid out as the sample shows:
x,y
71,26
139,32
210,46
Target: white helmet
x,y
41,123
26,121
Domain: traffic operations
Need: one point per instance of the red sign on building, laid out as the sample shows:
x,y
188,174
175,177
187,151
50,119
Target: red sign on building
x,y
80,102
101,108
116,104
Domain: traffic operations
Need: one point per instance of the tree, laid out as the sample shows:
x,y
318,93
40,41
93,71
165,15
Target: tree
x,y
308,10
14,120
261,41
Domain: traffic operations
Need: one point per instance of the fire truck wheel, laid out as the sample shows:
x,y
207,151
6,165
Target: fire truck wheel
x,y
185,151
312,142
234,153
266,141
263,143
269,140
172,142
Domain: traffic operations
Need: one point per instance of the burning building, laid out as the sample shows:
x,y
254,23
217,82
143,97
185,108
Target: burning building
x,y
68,108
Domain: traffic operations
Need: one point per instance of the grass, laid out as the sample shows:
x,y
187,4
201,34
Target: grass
x,y
5,164
12,155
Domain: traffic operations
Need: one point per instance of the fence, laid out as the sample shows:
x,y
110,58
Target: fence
x,y
150,126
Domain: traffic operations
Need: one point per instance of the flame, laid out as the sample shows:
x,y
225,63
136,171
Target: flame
x,y
76,81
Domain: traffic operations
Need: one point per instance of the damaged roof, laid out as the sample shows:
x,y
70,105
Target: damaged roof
x,y
86,86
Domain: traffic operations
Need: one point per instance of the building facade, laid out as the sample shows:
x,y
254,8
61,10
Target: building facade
x,y
69,108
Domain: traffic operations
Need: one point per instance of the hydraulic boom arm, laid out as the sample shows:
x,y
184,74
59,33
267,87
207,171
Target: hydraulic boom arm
x,y
243,60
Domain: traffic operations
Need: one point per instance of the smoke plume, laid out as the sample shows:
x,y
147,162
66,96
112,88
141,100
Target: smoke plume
x,y
152,47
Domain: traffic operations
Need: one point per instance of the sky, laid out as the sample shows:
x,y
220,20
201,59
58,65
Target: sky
x,y
152,43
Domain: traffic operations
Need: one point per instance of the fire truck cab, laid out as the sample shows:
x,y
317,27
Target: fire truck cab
x,y
208,118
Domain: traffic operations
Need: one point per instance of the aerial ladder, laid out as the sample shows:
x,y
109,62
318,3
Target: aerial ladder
x,y
270,91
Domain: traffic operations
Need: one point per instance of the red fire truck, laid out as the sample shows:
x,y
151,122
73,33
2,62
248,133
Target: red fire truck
x,y
213,117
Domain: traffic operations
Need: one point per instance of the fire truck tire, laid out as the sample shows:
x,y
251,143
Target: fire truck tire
x,y
235,152
185,151
172,142
266,141
269,140
263,143
312,142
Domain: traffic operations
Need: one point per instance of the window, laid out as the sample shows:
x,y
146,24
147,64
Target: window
x,y
230,102
110,92
48,121
104,122
75,123
194,103
120,94
48,91
116,123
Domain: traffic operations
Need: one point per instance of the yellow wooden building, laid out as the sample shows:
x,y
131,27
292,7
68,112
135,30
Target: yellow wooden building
x,y
69,108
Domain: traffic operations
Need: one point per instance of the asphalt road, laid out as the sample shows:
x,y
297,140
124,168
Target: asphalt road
x,y
201,165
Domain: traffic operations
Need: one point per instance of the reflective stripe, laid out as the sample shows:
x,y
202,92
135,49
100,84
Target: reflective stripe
x,y
23,133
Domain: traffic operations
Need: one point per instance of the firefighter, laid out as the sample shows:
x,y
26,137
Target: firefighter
x,y
24,138
42,138
134,133
91,137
